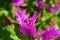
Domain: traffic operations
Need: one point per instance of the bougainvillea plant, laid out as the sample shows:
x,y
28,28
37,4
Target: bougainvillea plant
x,y
29,19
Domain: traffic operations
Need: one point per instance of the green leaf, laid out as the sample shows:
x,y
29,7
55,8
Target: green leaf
x,y
12,32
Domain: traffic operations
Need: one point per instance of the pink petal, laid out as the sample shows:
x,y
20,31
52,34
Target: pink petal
x,y
35,16
52,25
20,15
18,3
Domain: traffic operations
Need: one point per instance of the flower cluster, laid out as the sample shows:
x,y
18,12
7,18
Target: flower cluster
x,y
26,24
49,33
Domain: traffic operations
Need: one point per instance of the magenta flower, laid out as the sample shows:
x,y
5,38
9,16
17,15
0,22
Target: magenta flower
x,y
7,21
18,2
26,24
52,10
49,33
40,4
58,4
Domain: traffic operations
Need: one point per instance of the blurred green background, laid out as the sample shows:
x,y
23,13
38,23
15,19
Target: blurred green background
x,y
11,31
